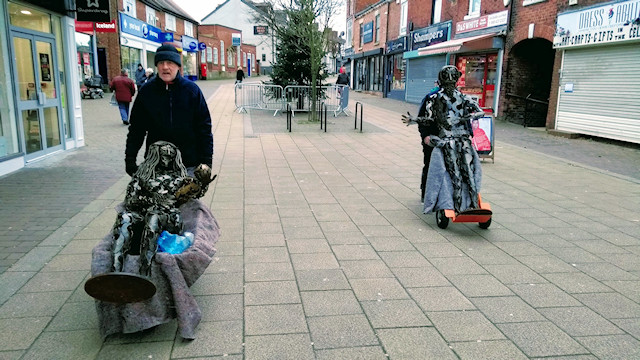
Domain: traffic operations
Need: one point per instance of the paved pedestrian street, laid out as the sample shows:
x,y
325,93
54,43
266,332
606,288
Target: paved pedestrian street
x,y
325,253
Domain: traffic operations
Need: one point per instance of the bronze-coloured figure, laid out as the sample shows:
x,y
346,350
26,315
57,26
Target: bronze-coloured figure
x,y
153,196
452,111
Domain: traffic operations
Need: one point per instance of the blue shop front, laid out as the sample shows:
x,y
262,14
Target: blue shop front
x,y
395,75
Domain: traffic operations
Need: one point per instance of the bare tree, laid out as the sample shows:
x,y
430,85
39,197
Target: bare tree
x,y
310,21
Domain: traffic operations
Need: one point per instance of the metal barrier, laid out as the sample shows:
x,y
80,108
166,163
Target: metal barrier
x,y
261,96
258,96
299,97
355,118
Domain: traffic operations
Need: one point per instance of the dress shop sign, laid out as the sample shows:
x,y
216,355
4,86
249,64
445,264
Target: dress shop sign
x,y
430,35
93,10
141,29
610,23
397,46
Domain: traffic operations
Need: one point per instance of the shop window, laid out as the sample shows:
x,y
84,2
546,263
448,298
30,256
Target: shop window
x,y
28,18
377,38
474,9
130,59
170,22
404,8
129,7
215,56
8,124
397,76
479,76
151,15
188,28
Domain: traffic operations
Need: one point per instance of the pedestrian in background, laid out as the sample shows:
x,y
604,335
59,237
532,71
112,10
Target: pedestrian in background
x,y
148,75
140,75
173,109
124,89
239,75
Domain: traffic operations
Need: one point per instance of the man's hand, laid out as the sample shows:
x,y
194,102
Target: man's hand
x,y
203,174
427,140
131,167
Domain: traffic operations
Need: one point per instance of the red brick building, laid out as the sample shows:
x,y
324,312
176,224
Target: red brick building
x,y
141,27
221,57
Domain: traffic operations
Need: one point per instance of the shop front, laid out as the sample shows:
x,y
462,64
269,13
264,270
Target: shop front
x,y
599,81
39,96
138,43
368,71
422,64
189,57
395,69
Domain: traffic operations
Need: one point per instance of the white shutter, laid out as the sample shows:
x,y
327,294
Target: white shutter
x,y
600,92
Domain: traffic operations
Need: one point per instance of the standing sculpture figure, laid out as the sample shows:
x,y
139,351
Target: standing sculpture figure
x,y
155,192
448,113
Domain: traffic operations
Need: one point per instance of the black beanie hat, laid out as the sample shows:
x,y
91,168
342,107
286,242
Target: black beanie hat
x,y
167,52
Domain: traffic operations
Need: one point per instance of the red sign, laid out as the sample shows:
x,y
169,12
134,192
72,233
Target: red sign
x,y
486,21
106,27
84,27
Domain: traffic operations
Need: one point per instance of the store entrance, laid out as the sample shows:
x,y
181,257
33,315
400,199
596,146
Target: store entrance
x,y
37,94
479,76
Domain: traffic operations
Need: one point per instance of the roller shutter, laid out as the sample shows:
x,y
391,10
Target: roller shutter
x,y
421,73
600,92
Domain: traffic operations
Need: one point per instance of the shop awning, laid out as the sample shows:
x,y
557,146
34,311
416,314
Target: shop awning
x,y
451,45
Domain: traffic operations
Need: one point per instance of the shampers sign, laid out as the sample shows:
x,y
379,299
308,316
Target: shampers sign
x,y
601,24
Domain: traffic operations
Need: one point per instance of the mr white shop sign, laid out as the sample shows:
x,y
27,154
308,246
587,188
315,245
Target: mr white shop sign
x,y
601,24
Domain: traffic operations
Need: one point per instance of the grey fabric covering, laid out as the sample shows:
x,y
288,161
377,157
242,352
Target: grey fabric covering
x,y
172,275
439,193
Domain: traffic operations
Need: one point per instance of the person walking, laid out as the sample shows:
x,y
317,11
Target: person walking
x,y
173,109
124,89
140,75
239,75
426,129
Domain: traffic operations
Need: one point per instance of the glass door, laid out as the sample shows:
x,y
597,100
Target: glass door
x,y
37,87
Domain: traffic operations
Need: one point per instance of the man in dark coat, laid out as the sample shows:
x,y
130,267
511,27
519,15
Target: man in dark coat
x,y
140,75
426,129
173,109
124,89
239,75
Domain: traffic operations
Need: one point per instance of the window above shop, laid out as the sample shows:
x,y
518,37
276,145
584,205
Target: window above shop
x,y
436,9
129,7
474,9
404,8
170,22
151,15
188,28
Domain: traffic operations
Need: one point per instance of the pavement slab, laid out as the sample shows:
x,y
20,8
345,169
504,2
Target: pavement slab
x,y
325,252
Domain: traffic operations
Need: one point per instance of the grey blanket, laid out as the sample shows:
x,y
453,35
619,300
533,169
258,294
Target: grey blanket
x,y
439,193
172,275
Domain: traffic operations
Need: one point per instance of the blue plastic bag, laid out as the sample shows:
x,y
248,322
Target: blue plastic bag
x,y
174,243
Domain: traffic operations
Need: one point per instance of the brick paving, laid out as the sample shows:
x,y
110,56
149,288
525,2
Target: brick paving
x,y
325,253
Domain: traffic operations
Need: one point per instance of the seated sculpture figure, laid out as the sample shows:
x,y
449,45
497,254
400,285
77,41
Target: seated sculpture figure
x,y
153,196
451,111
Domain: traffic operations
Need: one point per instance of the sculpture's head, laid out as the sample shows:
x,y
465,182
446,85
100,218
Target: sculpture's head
x,y
161,156
448,77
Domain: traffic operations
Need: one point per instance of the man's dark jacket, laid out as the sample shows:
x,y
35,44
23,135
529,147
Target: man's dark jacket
x,y
343,79
175,112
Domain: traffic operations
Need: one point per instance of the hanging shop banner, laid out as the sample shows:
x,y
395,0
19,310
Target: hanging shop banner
x,y
598,25
483,22
430,35
189,44
92,10
85,27
236,39
106,27
367,32
140,29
